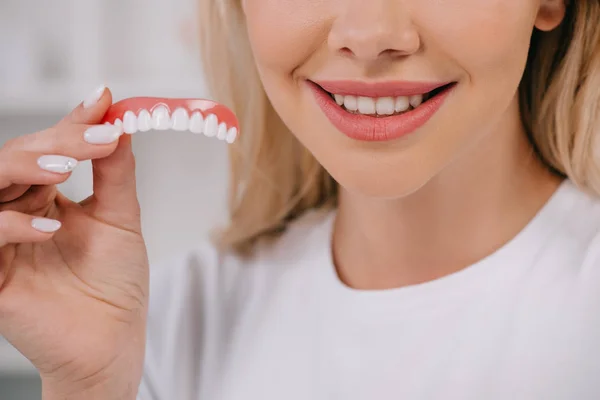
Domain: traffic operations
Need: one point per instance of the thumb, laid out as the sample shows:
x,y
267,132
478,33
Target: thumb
x,y
115,198
115,195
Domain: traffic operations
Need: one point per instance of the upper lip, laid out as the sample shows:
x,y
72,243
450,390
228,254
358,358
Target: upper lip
x,y
379,89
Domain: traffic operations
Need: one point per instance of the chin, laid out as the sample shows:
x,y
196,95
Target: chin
x,y
377,184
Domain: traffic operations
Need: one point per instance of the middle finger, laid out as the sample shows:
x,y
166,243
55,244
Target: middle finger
x,y
82,142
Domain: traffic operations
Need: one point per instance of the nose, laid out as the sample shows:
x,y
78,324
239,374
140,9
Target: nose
x,y
373,29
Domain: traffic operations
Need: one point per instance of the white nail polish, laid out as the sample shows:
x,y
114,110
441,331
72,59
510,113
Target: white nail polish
x,y
94,97
45,225
58,164
102,134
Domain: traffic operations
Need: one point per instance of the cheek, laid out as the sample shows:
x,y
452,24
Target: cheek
x,y
284,33
485,37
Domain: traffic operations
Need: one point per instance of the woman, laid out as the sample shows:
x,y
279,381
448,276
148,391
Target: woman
x,y
414,214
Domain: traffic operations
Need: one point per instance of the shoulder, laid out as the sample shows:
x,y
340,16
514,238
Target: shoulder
x,y
576,241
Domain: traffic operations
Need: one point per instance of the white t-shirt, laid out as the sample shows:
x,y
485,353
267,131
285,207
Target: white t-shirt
x,y
524,323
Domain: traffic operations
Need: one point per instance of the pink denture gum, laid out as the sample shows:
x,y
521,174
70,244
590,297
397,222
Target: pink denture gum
x,y
200,116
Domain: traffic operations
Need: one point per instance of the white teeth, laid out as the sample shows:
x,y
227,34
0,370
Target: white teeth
x,y
231,135
130,123
351,103
197,123
211,125
161,121
180,120
402,104
222,131
144,121
366,105
385,106
380,105
416,100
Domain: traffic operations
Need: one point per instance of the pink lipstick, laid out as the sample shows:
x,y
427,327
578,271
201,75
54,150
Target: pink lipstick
x,y
374,127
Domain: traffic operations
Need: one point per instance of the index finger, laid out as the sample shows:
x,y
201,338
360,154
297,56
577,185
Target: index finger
x,y
92,109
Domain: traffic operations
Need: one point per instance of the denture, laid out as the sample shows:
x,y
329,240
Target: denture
x,y
199,116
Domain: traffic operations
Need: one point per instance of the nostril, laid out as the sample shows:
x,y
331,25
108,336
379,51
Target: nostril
x,y
384,54
346,51
391,53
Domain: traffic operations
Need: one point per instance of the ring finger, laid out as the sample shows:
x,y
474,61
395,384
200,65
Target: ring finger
x,y
17,227
26,168
12,193
84,142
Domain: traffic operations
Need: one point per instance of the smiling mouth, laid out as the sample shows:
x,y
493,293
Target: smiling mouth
x,y
383,107
379,111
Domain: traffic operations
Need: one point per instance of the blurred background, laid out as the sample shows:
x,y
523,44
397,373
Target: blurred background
x,y
53,53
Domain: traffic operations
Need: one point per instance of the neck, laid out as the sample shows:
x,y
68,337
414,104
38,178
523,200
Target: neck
x,y
467,212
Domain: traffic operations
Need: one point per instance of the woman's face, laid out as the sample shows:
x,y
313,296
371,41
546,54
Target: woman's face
x,y
379,56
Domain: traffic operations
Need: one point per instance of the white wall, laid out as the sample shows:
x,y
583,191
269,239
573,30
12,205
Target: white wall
x,y
53,52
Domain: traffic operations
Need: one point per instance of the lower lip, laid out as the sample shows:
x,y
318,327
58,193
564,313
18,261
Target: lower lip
x,y
377,129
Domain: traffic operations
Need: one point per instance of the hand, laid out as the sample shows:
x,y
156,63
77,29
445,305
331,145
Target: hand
x,y
73,297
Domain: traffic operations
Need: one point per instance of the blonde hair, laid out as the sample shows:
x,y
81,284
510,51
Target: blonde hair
x,y
274,179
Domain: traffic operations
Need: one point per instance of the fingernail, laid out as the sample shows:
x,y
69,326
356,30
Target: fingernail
x,y
58,164
45,225
94,97
102,134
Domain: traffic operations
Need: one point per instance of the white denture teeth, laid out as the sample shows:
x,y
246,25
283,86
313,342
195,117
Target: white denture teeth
x,y
197,123
180,120
144,121
211,125
222,131
231,135
130,123
161,120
